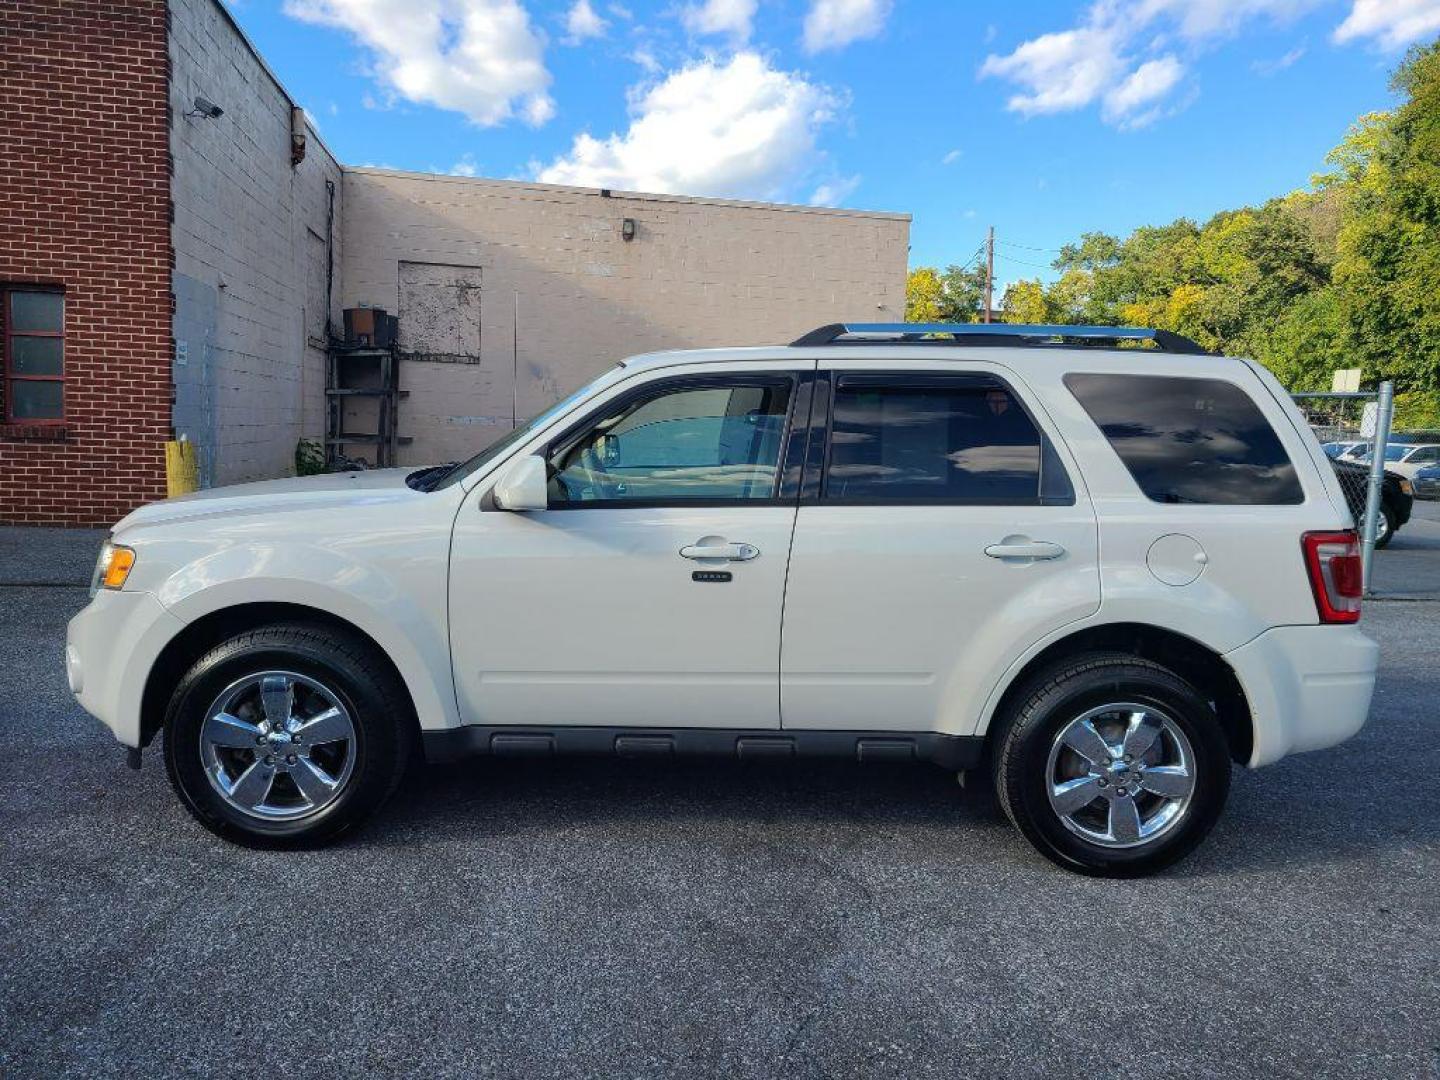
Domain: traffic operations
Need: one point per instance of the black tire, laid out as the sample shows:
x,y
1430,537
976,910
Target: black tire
x,y
1387,527
348,667
1022,744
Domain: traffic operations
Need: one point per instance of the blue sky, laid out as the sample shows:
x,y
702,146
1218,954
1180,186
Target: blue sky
x,y
1043,119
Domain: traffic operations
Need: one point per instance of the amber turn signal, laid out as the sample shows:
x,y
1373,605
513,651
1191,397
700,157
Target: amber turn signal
x,y
117,569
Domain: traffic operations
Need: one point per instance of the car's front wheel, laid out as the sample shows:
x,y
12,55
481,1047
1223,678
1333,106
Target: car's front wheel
x,y
1384,527
1112,765
287,735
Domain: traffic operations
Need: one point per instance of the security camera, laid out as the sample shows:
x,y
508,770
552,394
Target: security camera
x,y
206,108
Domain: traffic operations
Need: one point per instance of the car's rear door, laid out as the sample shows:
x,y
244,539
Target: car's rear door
x,y
942,530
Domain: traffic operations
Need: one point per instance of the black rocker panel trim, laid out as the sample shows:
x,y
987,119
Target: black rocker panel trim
x,y
947,751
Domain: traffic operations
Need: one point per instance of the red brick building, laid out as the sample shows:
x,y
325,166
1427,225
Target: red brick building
x,y
85,259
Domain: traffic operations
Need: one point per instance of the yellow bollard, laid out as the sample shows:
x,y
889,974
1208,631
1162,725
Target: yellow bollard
x,y
182,468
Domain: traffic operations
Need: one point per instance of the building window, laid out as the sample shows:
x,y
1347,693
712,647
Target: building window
x,y
34,355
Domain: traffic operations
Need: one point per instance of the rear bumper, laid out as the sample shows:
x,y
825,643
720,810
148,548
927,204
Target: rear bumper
x,y
1309,687
110,648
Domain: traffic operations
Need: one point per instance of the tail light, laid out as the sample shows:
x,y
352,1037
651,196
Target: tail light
x,y
1333,560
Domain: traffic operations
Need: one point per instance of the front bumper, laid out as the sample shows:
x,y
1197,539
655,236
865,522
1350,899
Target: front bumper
x,y
1309,687
110,648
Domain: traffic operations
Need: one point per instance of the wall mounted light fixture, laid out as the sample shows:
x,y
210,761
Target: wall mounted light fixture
x,y
627,229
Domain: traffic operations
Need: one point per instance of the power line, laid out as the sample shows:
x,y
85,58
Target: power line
x,y
1022,262
1029,247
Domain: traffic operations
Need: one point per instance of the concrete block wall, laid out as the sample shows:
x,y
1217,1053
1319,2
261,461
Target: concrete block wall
x,y
250,254
84,195
699,272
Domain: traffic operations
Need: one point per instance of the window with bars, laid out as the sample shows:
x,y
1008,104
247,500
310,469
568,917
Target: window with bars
x,y
34,355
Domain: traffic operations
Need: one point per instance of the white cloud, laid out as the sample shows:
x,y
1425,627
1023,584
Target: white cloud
x,y
646,59
1147,84
1103,60
1280,63
481,58
620,11
736,128
733,17
1061,71
833,24
835,192
466,166
952,157
1211,18
1393,23
581,22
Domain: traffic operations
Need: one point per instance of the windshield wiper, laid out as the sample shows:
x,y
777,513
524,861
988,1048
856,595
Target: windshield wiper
x,y
427,479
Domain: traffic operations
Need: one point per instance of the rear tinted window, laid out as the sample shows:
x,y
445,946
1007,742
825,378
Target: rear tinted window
x,y
1190,440
937,440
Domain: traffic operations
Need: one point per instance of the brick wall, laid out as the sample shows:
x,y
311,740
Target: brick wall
x,y
84,204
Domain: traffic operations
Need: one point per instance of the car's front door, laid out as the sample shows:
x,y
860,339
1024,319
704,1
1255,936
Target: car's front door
x,y
939,536
649,592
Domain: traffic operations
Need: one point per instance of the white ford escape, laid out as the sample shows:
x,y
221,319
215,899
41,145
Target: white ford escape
x,y
1095,561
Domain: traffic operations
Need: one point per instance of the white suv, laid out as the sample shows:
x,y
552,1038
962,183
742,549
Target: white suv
x,y
1096,562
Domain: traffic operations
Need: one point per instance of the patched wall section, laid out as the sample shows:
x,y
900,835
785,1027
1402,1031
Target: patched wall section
x,y
252,235
511,295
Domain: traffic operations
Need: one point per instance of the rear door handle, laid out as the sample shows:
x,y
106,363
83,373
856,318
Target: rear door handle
x,y
1029,549
727,552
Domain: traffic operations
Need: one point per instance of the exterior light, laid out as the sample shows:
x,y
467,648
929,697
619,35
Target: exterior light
x,y
627,229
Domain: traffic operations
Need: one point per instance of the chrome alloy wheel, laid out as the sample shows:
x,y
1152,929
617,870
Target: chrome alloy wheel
x,y
278,746
1121,775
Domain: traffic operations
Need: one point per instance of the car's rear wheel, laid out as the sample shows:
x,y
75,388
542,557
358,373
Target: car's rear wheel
x,y
287,735
1112,765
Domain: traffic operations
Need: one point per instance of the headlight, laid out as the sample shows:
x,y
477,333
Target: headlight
x,y
113,567
1407,488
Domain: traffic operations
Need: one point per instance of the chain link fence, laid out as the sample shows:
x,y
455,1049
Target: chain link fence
x,y
1354,430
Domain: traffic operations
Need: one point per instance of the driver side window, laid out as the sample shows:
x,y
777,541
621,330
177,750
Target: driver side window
x,y
691,443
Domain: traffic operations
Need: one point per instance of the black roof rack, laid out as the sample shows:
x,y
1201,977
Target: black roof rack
x,y
1023,334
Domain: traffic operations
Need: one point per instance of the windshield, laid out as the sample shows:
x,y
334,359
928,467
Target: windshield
x,y
1396,453
518,435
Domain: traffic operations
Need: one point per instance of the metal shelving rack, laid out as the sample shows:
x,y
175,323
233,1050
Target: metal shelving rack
x,y
363,372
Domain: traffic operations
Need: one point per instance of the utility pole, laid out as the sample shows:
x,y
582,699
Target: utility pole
x,y
989,273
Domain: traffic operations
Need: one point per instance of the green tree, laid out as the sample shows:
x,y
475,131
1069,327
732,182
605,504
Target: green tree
x,y
1027,302
953,296
1388,264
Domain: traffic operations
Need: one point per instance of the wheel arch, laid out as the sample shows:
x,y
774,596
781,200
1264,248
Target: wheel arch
x,y
1195,662
209,630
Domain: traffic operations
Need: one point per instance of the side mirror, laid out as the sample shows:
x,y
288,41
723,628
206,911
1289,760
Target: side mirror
x,y
524,485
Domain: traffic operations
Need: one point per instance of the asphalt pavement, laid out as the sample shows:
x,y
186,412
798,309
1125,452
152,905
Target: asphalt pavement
x,y
600,918
1410,567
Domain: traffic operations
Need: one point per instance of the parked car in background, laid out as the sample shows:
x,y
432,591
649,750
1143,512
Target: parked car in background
x,y
1341,449
1427,482
1397,497
1099,576
1354,451
1407,458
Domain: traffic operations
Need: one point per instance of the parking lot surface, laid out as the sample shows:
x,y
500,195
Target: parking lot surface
x,y
595,918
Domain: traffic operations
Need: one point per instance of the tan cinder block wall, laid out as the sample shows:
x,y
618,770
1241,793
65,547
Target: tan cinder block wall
x,y
249,237
699,273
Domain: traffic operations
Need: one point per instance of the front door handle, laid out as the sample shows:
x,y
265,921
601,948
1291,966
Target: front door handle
x,y
720,552
1026,549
